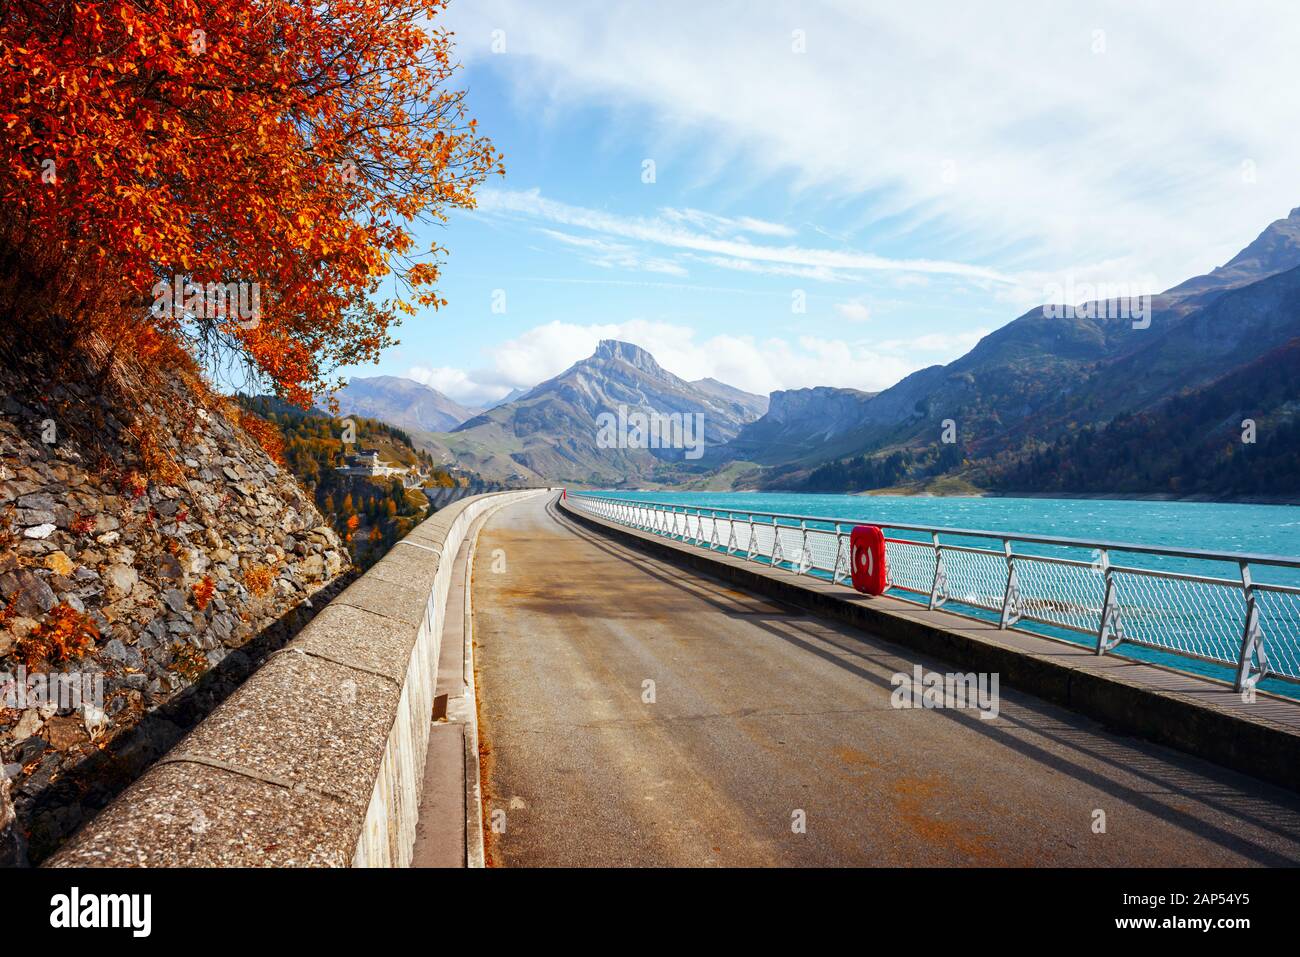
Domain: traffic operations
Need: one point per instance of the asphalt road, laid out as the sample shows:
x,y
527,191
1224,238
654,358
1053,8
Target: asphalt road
x,y
762,717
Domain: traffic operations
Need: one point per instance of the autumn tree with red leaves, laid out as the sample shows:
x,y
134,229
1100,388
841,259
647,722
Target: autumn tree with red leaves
x,y
159,144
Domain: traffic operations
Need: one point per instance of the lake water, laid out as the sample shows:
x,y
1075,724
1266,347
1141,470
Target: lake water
x,y
1213,526
1219,527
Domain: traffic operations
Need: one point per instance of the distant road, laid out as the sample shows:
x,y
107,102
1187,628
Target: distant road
x,y
761,714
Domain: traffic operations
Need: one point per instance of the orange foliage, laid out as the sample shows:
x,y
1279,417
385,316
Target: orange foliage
x,y
264,434
8,534
290,145
82,525
155,458
65,635
203,592
187,661
258,579
135,484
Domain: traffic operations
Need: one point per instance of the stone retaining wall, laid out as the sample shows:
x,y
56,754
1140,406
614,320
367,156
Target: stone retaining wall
x,y
318,759
175,576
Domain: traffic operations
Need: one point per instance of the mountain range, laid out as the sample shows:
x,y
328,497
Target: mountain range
x,y
401,402
1043,376
1025,391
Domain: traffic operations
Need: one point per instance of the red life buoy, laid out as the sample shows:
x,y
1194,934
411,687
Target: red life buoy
x,y
867,559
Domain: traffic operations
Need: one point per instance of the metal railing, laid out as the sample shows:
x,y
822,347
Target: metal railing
x,y
1251,626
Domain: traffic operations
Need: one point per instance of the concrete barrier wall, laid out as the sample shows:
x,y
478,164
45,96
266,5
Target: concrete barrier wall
x,y
318,759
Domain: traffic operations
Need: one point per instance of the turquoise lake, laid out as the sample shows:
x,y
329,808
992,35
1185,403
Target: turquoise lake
x,y
1213,526
1272,530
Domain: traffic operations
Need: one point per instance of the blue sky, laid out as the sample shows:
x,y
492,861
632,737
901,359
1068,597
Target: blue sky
x,y
843,192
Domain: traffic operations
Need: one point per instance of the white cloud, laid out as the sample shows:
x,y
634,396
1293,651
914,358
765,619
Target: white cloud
x,y
458,384
854,311
998,131
665,232
952,345
754,364
718,225
606,254
816,273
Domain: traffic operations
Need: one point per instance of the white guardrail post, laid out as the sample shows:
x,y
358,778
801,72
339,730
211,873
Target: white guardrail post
x,y
1110,630
838,575
1252,663
939,588
1011,595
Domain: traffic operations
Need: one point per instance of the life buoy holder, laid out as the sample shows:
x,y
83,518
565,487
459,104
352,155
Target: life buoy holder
x,y
867,559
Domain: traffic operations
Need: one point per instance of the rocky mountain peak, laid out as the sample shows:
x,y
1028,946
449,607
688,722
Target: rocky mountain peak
x,y
1275,250
557,423
618,351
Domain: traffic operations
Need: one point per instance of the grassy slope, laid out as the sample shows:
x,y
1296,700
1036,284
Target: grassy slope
x,y
943,485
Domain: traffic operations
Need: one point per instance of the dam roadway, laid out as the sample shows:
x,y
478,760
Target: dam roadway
x,y
633,713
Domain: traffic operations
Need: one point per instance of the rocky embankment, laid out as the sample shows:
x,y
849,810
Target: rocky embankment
x,y
170,583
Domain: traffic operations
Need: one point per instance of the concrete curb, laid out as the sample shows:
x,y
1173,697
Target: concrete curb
x,y
318,759
1081,682
475,853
